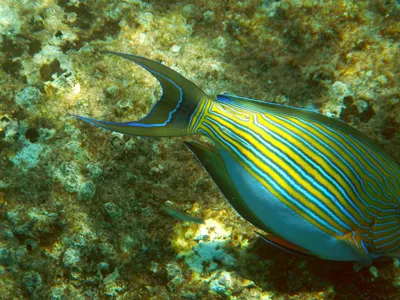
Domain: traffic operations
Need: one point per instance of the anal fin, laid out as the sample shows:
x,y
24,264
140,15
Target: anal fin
x,y
212,161
284,245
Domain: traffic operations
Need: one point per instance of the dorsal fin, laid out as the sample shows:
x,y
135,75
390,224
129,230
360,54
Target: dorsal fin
x,y
279,109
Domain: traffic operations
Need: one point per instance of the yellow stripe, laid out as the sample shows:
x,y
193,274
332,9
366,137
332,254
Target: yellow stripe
x,y
308,167
358,157
284,166
364,177
270,188
328,154
381,165
275,177
197,114
310,135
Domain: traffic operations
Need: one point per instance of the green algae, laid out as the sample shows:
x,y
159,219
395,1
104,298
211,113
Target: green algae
x,y
80,208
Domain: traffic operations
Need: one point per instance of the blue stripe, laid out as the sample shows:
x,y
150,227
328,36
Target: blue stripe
x,y
379,162
385,231
321,142
385,245
328,161
200,114
383,177
273,183
305,175
360,180
354,159
135,124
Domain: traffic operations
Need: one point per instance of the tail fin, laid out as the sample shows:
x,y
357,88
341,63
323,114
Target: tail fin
x,y
171,115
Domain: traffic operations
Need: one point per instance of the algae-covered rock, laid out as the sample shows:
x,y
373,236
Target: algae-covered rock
x,y
32,282
28,97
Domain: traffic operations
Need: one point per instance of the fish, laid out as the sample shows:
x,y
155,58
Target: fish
x,y
180,215
312,183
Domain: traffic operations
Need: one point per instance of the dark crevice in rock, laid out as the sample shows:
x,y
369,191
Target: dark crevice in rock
x,y
47,70
32,135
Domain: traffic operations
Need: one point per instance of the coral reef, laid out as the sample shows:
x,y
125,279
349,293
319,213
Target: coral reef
x,y
80,208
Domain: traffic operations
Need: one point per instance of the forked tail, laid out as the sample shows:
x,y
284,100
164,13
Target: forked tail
x,y
171,115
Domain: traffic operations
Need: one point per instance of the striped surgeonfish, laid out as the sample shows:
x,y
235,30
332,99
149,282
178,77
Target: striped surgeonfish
x,y
312,183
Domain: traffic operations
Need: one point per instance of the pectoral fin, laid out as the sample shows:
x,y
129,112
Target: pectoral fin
x,y
212,161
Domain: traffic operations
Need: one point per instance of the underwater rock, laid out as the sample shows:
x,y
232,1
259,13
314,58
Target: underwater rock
x,y
209,251
174,276
71,257
221,285
28,97
112,211
32,282
95,170
86,190
78,205
5,257
28,157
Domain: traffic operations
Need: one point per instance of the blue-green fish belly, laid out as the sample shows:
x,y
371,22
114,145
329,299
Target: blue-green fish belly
x,y
284,221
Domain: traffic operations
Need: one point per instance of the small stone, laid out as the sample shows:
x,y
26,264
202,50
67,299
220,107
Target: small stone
x,y
396,263
71,17
220,42
221,285
209,16
339,90
73,147
28,157
112,277
362,105
32,281
95,170
176,48
173,271
28,97
5,257
112,90
86,190
374,271
71,257
281,99
46,134
11,130
103,266
175,276
57,293
112,290
188,10
154,267
130,144
382,79
112,211
124,104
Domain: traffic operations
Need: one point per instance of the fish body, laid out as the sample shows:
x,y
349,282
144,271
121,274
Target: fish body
x,y
312,183
180,215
